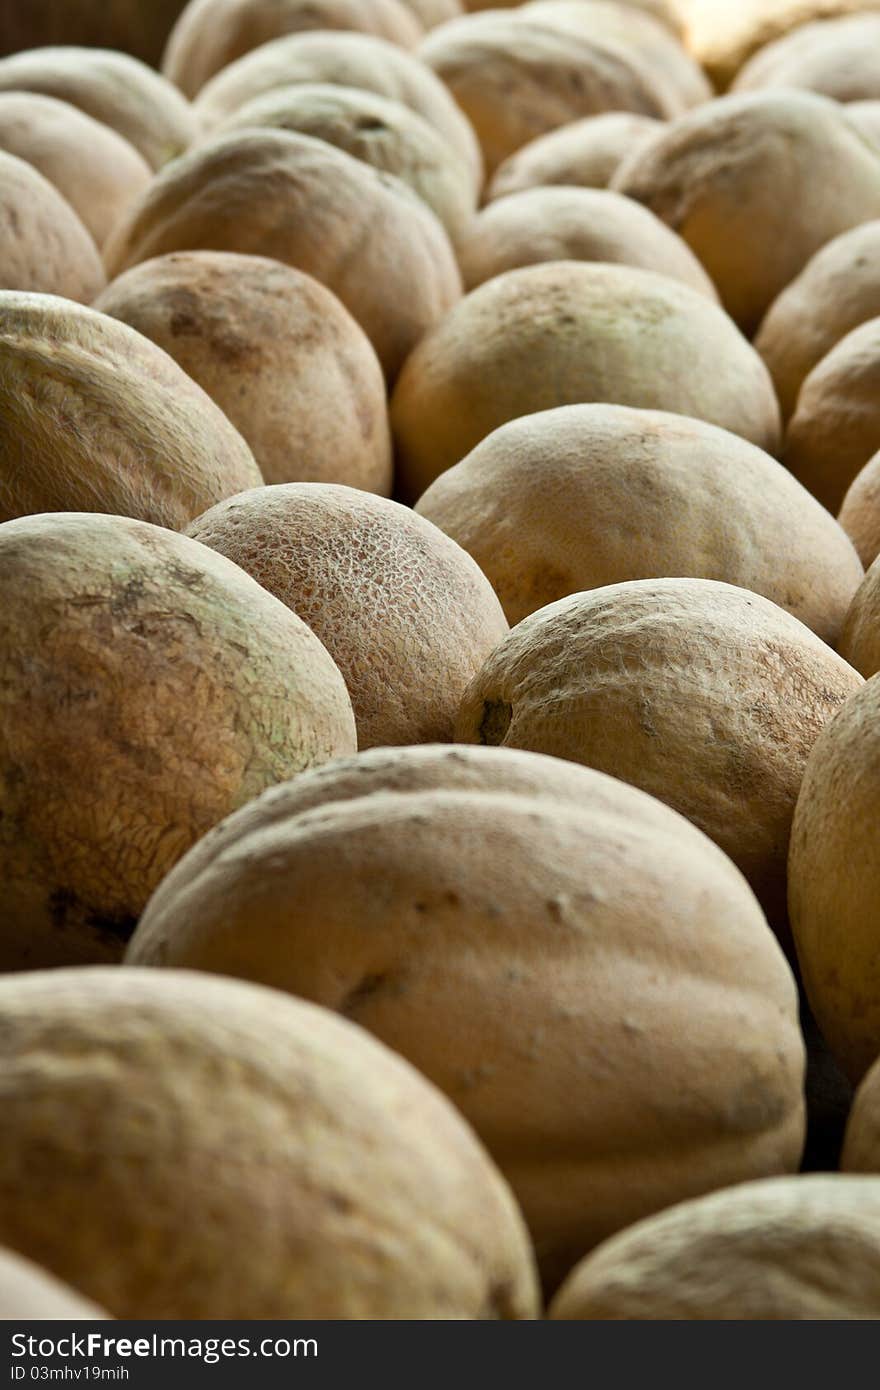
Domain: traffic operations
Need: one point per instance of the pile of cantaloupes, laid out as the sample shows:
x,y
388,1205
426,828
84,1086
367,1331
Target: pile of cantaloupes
x,y
440,659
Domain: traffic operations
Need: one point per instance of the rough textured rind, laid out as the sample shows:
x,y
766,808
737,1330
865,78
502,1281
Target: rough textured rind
x,y
148,687
385,134
96,170
295,199
782,1250
143,107
96,418
755,184
583,973
406,614
584,153
44,246
834,881
860,639
516,77
347,60
211,34
574,224
705,695
860,513
723,35
134,26
835,429
566,333
639,32
838,289
277,352
29,1294
839,58
588,495
186,1147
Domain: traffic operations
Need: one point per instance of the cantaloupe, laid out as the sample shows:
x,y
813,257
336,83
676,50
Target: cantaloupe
x,y
782,1250
148,687
705,695
834,876
860,512
211,34
835,428
586,976
584,153
292,198
347,60
96,170
838,289
588,495
406,614
574,224
565,333
127,95
44,246
277,352
756,183
181,1147
516,77
838,57
97,418
722,35
385,134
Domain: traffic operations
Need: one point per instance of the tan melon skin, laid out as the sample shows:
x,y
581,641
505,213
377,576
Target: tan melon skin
x,y
589,495
837,57
756,183
385,134
211,34
703,694
43,245
406,614
722,35
113,88
835,429
860,639
97,418
584,153
637,30
148,687
838,289
786,1249
96,170
566,333
834,881
431,12
574,224
861,1150
346,60
277,352
131,25
860,513
865,116
29,1294
516,77
185,1147
659,9
582,973
295,199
